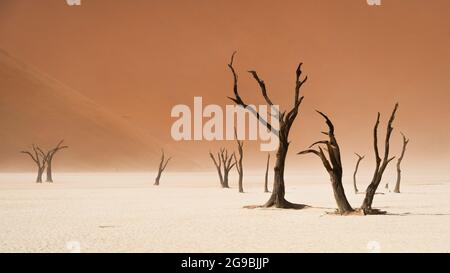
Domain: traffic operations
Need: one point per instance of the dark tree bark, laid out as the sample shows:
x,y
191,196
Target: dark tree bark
x,y
162,166
223,165
399,162
40,158
356,171
277,198
380,166
238,163
50,155
333,166
266,178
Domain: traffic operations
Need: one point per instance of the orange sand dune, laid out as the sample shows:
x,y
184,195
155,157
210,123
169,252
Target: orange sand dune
x,y
35,108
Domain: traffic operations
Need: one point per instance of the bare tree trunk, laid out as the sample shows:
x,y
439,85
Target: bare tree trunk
x,y
238,162
223,165
285,120
356,171
162,166
333,166
380,165
266,180
399,162
40,158
39,175
50,154
218,164
49,171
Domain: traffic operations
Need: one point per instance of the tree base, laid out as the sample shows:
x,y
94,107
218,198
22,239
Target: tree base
x,y
279,205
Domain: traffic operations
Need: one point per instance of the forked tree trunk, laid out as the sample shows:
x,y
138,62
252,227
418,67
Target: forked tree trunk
x,y
333,165
266,178
355,188
380,165
49,156
223,165
399,162
162,166
40,158
286,119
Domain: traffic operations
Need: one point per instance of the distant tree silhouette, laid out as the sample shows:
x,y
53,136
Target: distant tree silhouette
x,y
355,188
266,178
224,163
50,154
238,162
399,161
40,158
162,166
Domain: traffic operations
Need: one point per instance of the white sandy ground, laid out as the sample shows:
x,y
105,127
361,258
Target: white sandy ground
x,y
190,213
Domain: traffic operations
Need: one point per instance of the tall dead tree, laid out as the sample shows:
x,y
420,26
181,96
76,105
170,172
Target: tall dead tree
x,y
399,162
50,155
223,165
162,166
380,166
40,158
286,120
238,163
266,178
333,165
356,171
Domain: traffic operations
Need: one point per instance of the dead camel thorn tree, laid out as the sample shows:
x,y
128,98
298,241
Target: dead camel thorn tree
x,y
333,165
238,162
162,166
40,158
380,166
286,120
50,155
223,161
399,162
266,178
356,171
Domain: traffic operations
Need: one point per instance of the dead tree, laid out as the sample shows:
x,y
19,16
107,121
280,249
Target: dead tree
x,y
356,171
380,166
238,162
50,155
223,165
399,161
286,120
266,180
162,166
40,158
333,165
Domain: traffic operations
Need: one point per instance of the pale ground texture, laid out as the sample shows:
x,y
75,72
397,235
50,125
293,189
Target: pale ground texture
x,y
190,213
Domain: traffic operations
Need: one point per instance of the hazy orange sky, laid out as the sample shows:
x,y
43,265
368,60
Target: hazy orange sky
x,y
139,58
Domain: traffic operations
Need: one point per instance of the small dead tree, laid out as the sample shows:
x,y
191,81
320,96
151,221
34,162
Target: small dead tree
x,y
333,166
266,180
50,155
380,166
399,161
40,158
238,162
223,165
286,120
356,171
162,166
